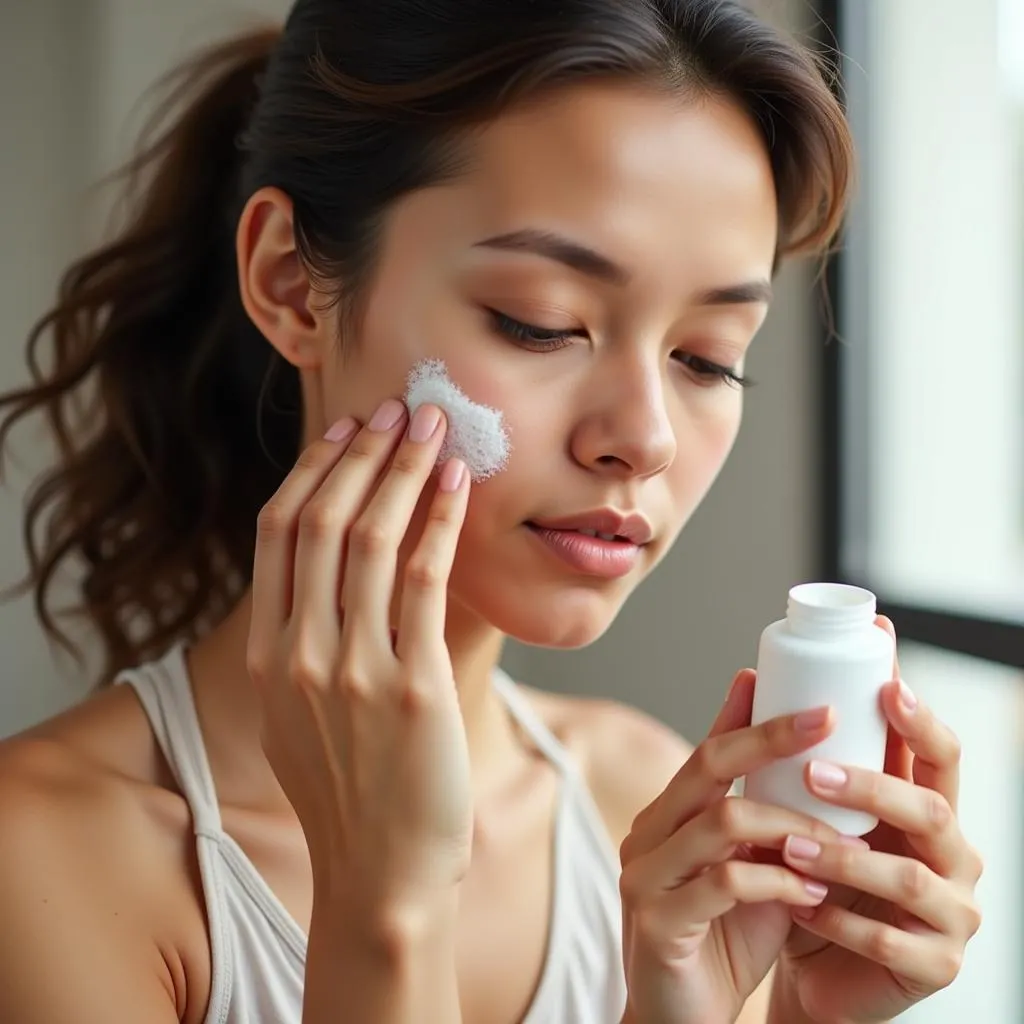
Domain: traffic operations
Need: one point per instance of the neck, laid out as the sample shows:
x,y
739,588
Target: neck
x,y
229,709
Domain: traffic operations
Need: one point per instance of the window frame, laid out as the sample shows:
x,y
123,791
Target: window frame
x,y
992,639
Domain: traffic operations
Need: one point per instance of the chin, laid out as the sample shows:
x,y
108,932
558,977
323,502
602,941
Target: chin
x,y
556,617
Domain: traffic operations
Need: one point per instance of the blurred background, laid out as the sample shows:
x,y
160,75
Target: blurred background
x,y
887,449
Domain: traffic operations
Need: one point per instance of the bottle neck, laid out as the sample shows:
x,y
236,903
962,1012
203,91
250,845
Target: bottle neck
x,y
825,611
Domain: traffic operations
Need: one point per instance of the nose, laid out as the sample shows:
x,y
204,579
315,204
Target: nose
x,y
625,430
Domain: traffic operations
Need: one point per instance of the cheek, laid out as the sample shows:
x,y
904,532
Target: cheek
x,y
704,442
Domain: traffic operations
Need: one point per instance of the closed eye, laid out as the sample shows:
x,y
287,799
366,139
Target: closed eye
x,y
710,373
543,339
538,338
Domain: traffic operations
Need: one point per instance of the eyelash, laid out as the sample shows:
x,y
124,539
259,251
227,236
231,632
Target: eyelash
x,y
540,339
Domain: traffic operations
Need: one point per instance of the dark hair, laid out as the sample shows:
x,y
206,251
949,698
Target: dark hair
x,y
174,422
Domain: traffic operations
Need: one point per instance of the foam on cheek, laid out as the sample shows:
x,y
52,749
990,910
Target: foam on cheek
x,y
476,433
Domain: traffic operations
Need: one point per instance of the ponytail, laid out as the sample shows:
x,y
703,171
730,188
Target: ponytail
x,y
170,425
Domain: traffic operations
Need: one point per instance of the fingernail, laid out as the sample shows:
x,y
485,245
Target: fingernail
x,y
827,776
816,890
907,698
799,848
855,841
387,416
424,424
809,721
342,430
452,475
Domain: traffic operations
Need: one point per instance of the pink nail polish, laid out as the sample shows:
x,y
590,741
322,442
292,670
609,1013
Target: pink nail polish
x,y
907,698
800,848
387,417
827,776
452,475
341,431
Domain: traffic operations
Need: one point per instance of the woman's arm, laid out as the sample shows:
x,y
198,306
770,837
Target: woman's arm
x,y
397,972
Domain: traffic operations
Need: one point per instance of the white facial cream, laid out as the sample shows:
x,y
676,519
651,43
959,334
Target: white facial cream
x,y
476,433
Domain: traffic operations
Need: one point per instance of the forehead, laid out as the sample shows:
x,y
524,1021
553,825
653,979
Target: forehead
x,y
647,174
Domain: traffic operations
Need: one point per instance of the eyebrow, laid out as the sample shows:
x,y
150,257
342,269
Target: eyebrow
x,y
594,264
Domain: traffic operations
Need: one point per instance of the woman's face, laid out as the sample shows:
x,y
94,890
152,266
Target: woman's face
x,y
602,361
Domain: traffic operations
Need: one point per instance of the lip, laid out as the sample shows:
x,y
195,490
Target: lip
x,y
630,526
588,556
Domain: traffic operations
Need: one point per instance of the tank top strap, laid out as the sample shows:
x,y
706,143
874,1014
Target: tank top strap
x,y
164,691
578,802
526,717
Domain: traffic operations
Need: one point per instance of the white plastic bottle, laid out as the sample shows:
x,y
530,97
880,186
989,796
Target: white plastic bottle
x,y
826,651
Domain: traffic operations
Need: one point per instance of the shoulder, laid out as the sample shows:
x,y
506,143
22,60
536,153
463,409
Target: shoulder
x,y
85,855
627,756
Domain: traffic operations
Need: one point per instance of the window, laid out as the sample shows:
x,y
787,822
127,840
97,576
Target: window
x,y
924,409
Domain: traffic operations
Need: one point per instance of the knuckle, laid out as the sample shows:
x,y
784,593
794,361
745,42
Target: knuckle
x,y
318,521
972,918
977,864
629,887
775,735
948,963
421,574
872,785
844,859
940,813
415,699
311,457
706,760
304,671
730,816
626,850
369,538
257,664
914,880
954,748
407,461
362,449
272,521
726,877
352,684
442,514
884,945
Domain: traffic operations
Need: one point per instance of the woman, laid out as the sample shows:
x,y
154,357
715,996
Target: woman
x,y
317,798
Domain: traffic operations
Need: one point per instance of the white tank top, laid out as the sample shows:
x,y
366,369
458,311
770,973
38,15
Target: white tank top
x,y
258,949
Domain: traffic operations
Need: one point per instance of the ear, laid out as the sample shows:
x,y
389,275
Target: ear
x,y
276,290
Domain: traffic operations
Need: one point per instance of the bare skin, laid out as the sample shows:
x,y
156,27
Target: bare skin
x,y
102,758
629,412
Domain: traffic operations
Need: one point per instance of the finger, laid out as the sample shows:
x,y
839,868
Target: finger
x,y
274,563
898,758
934,745
718,832
717,891
424,601
924,961
902,881
738,705
885,623
720,760
377,534
328,515
924,815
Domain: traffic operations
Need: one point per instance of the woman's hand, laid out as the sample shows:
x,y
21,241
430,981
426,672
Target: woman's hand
x,y
899,915
706,911
361,723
